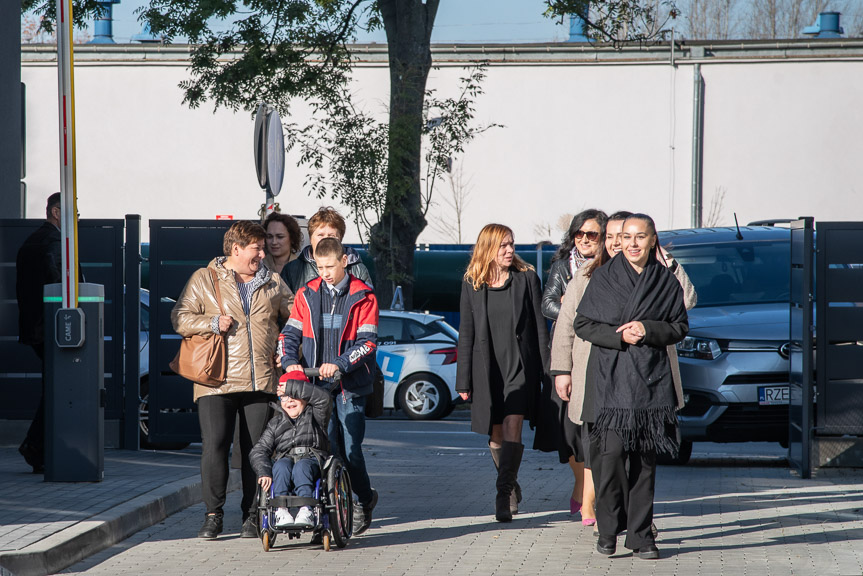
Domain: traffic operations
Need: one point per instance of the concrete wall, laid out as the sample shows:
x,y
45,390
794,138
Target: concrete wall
x,y
612,131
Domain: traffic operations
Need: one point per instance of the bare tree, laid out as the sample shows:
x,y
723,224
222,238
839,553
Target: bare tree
x,y
714,19
449,222
34,32
563,222
543,231
783,18
714,214
763,19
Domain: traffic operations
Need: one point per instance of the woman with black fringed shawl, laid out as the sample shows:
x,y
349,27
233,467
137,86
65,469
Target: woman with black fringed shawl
x,y
631,310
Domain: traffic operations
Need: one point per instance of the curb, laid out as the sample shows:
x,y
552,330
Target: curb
x,y
61,550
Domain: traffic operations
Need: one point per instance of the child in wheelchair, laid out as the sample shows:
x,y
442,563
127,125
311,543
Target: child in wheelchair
x,y
294,446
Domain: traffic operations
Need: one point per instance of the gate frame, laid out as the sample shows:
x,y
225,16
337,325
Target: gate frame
x,y
800,378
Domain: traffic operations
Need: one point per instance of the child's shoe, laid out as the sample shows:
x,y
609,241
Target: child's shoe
x,y
305,518
284,518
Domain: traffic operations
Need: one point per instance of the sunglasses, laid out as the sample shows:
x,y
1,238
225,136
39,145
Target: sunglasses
x,y
592,236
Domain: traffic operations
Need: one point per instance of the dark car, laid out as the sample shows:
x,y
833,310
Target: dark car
x,y
734,361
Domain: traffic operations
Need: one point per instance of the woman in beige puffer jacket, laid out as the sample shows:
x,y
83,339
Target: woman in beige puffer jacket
x,y
255,304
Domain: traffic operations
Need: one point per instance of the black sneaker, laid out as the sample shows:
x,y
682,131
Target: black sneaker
x,y
250,528
212,527
363,514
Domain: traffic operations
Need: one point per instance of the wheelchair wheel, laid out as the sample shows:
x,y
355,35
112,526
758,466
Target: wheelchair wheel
x,y
263,518
340,497
326,541
268,539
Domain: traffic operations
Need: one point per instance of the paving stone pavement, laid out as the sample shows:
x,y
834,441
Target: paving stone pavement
x,y
31,509
722,514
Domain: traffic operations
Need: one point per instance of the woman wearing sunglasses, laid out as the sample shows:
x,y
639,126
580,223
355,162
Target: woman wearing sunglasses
x,y
580,245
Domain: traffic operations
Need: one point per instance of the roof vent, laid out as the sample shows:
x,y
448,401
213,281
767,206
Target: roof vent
x,y
826,26
103,26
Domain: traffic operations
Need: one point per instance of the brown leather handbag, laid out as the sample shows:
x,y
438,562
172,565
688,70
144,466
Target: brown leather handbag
x,y
204,359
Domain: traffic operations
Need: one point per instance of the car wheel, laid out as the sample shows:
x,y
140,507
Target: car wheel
x,y
424,397
144,423
683,455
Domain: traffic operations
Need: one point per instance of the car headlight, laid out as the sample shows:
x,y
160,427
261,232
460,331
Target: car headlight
x,y
702,348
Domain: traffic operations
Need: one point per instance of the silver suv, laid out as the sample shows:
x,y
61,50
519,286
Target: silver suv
x,y
734,361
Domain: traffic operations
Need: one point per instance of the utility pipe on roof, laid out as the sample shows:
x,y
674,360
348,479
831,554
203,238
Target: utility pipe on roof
x,y
697,145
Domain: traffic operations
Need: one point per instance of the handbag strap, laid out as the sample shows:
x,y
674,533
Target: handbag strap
x,y
218,292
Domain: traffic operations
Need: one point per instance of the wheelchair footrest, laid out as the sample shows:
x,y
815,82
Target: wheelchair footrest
x,y
291,502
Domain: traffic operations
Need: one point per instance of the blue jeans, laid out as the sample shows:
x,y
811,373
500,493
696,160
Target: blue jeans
x,y
346,430
300,474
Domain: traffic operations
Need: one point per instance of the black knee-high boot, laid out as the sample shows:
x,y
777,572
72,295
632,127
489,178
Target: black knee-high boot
x,y
515,496
510,461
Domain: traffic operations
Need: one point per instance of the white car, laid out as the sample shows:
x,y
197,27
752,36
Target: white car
x,y
417,354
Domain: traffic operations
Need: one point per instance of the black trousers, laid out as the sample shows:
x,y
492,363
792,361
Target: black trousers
x,y
624,492
217,414
36,433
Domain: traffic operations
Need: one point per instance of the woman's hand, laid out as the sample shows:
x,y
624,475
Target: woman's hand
x,y
632,332
563,386
464,396
265,482
225,323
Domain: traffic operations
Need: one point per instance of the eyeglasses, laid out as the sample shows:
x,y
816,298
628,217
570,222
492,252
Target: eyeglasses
x,y
592,236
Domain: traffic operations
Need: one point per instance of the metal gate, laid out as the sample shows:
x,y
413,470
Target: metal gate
x,y
839,344
100,251
801,383
826,408
177,249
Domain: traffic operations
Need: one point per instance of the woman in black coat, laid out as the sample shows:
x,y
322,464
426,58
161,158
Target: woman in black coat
x,y
582,242
630,312
503,353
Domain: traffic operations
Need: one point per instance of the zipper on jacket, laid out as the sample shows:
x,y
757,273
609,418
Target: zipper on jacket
x,y
339,342
249,332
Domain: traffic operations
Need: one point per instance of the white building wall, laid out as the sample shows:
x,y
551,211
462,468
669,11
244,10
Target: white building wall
x,y
781,140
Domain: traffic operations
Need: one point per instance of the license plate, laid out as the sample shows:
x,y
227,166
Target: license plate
x,y
773,395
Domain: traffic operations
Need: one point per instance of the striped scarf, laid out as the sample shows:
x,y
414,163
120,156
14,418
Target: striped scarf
x,y
576,260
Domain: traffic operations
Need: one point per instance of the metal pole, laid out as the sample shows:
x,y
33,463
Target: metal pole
x,y
132,308
697,145
66,93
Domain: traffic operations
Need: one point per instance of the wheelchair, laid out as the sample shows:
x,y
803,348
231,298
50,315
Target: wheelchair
x,y
332,504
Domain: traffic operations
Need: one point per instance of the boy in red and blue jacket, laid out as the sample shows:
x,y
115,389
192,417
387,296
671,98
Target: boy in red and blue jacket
x,y
335,320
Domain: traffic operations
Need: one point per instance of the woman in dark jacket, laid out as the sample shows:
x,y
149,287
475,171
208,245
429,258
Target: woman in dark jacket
x,y
503,353
631,310
579,246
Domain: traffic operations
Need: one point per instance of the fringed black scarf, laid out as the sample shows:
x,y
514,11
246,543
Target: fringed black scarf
x,y
634,390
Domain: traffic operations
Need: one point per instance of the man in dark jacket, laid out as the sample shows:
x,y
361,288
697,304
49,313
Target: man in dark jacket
x,y
326,223
335,319
289,454
38,263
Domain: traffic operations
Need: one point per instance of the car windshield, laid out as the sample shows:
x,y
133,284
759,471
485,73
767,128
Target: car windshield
x,y
737,273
